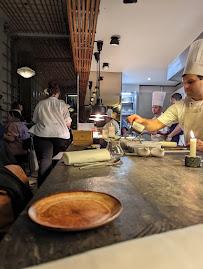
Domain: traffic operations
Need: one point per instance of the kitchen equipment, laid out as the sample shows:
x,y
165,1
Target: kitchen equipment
x,y
157,152
98,164
137,127
115,149
143,152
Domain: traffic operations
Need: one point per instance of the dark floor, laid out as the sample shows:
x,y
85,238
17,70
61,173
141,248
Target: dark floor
x,y
33,181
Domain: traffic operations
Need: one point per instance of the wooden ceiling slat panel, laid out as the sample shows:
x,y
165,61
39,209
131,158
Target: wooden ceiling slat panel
x,y
79,32
90,43
86,31
82,25
75,43
83,35
70,20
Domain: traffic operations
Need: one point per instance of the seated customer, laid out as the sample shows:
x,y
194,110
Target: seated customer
x,y
6,157
15,133
18,106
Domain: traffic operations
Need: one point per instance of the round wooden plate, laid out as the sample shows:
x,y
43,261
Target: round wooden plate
x,y
75,210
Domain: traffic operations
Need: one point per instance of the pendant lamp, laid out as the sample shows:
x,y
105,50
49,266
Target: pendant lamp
x,y
98,110
26,72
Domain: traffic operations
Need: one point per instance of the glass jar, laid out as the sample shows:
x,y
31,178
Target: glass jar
x,y
115,149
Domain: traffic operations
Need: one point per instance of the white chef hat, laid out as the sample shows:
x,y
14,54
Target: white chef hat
x,y
110,113
194,63
158,98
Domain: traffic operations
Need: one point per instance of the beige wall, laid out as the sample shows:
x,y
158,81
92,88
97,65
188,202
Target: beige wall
x,y
110,87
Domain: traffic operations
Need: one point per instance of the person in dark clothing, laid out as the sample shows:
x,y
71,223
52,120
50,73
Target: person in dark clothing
x,y
6,157
172,136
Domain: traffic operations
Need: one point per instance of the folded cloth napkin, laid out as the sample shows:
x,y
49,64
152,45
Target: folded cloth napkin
x,y
86,156
179,249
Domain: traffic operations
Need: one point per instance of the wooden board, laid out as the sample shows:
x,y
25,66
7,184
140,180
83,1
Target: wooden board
x,y
82,138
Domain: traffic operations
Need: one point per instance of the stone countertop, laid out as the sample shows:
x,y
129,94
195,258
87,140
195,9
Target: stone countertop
x,y
161,192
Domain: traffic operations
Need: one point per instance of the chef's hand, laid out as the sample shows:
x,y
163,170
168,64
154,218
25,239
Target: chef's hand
x,y
136,118
199,145
168,139
154,133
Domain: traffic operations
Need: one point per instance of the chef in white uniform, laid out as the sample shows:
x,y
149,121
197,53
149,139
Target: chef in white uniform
x,y
188,112
157,106
110,121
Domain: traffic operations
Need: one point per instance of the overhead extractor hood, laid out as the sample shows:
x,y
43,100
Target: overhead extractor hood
x,y
175,69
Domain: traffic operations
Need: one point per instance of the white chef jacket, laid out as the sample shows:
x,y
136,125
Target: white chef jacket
x,y
115,124
51,117
159,137
189,114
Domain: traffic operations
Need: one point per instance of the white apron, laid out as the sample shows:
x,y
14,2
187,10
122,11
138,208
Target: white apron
x,y
193,120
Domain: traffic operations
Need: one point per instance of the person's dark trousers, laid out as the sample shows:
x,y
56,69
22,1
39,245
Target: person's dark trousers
x,y
45,149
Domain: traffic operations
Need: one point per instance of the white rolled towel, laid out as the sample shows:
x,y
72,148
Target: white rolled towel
x,y
86,156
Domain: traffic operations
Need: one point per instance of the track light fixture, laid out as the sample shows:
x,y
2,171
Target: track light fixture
x,y
90,85
115,40
129,1
99,45
98,108
105,66
97,56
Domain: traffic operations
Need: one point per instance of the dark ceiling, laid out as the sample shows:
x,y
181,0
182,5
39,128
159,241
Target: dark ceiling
x,y
41,27
59,33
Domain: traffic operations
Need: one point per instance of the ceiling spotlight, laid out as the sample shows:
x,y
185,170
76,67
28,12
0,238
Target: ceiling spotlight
x,y
149,79
129,1
115,40
105,66
91,99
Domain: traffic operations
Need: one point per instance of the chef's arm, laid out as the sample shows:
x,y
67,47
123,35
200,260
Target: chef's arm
x,y
176,131
150,125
